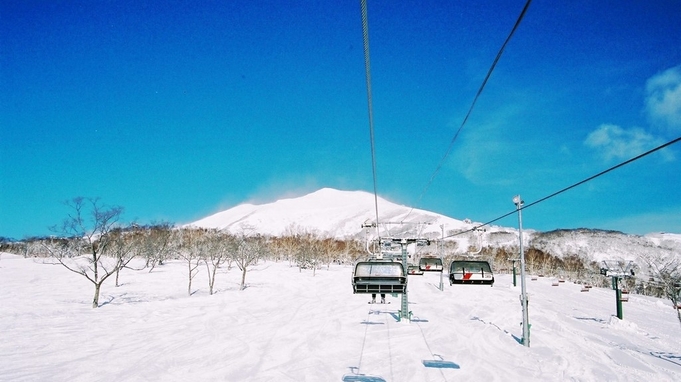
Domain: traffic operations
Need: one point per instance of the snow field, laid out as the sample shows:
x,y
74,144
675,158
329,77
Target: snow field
x,y
290,326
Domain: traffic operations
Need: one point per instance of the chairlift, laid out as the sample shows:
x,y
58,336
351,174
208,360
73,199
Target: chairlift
x,y
379,277
470,272
414,270
430,264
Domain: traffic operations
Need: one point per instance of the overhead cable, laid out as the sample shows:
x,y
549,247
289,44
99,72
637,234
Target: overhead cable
x,y
367,69
475,100
572,186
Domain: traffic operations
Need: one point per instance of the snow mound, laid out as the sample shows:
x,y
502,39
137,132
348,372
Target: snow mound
x,y
623,324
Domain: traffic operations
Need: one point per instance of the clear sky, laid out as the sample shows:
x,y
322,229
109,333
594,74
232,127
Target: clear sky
x,y
176,110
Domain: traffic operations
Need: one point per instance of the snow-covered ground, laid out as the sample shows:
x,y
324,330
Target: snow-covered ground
x,y
291,326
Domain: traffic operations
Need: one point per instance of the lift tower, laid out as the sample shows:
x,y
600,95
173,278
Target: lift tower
x,y
404,242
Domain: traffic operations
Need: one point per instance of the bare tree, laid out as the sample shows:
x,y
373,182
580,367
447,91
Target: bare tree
x,y
331,250
88,241
156,243
122,247
317,251
354,249
290,243
665,271
191,246
34,247
307,251
218,247
575,267
278,250
248,249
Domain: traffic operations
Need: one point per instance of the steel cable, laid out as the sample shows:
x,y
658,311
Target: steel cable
x,y
367,69
572,186
475,100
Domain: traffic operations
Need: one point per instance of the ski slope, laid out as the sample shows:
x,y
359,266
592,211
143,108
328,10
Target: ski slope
x,y
290,326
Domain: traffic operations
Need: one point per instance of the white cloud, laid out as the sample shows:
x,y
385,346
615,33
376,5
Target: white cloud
x,y
616,143
663,99
663,105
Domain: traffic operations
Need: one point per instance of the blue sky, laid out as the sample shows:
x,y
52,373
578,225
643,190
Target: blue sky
x,y
180,110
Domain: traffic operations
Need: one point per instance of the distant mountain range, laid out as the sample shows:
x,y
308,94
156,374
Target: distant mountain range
x,y
347,214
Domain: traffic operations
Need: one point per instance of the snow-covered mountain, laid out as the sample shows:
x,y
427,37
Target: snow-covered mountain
x,y
331,212
599,245
341,214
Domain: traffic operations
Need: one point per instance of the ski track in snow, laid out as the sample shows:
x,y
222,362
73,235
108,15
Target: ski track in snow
x,y
290,326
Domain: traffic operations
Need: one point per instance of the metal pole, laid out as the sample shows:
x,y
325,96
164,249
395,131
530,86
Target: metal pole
x,y
442,255
523,297
404,312
618,296
514,282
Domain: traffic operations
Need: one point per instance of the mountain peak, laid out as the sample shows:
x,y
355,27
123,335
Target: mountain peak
x,y
328,212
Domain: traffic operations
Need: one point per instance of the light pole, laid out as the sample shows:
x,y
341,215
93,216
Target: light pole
x,y
442,256
523,296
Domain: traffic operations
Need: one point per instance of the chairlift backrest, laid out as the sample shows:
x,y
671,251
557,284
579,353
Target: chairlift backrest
x,y
379,277
430,264
470,272
470,266
378,269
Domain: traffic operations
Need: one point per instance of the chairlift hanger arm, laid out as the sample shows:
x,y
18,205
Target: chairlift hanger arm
x,y
613,268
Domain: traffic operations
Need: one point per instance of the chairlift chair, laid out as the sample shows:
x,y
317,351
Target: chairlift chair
x,y
414,270
470,272
379,277
430,264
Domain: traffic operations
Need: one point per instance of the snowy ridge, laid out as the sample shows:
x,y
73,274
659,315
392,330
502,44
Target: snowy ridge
x,y
330,212
340,214
598,245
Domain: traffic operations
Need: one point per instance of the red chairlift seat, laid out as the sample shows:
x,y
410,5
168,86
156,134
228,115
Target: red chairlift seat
x,y
430,264
470,272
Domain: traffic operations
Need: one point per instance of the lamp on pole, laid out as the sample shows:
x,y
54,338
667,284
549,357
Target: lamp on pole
x,y
523,297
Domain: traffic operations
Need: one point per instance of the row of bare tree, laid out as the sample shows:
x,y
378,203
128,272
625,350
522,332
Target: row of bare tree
x,y
658,274
93,243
